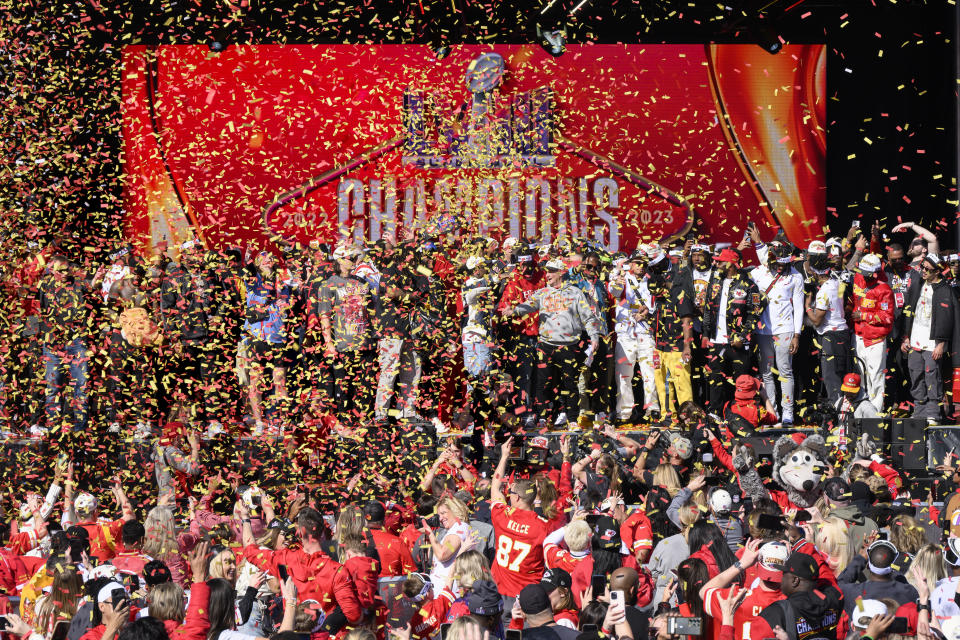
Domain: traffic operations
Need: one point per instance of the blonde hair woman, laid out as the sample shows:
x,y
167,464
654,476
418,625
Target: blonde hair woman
x,y
459,538
61,602
833,540
469,567
350,524
666,476
907,535
167,602
160,542
930,564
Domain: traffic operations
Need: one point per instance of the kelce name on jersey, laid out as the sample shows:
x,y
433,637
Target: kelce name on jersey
x,y
518,528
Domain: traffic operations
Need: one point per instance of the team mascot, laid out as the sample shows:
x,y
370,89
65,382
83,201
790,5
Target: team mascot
x,y
798,465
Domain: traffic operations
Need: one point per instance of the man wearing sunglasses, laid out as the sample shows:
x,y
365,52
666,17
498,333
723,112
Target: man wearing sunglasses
x,y
930,318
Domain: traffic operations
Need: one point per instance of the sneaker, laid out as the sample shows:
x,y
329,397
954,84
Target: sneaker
x,y
37,432
114,427
257,430
529,421
561,419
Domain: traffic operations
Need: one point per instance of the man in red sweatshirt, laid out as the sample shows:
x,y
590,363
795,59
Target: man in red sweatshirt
x,y
520,341
316,575
872,315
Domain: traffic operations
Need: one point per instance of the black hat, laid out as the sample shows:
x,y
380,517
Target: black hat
x,y
606,534
801,565
156,572
484,599
533,600
860,491
555,578
286,527
836,489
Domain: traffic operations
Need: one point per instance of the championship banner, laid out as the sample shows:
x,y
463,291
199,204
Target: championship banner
x,y
618,144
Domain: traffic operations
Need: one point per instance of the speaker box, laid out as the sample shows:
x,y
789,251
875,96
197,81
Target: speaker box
x,y
943,445
878,429
908,444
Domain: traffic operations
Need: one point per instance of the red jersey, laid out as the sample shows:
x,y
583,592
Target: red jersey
x,y
427,620
756,600
519,558
104,537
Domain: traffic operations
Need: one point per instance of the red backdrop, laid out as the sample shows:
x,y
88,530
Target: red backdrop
x,y
725,134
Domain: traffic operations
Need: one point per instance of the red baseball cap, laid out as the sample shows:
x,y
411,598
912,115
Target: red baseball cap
x,y
728,255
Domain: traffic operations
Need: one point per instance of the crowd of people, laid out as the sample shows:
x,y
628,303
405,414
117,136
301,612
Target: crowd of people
x,y
463,331
598,535
416,492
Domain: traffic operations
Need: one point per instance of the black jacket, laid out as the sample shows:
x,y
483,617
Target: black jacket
x,y
744,306
815,613
945,325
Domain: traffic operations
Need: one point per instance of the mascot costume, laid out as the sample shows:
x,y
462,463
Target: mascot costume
x,y
799,463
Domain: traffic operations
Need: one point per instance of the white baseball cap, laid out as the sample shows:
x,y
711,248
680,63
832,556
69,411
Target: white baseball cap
x,y
555,264
655,253
817,246
869,263
345,252
720,501
865,611
772,557
85,502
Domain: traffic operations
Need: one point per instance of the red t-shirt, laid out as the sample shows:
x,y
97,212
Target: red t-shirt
x,y
519,558
756,600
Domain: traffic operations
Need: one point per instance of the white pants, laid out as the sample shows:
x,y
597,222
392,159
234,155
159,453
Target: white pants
x,y
872,361
629,353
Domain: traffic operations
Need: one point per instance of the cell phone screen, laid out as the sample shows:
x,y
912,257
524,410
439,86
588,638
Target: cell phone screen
x,y
599,584
589,628
3,623
61,630
711,481
769,522
514,634
898,626
282,570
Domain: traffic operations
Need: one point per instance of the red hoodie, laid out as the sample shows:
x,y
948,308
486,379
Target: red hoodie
x,y
519,289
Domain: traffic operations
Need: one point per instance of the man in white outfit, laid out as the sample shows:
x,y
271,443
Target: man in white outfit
x,y
635,345
778,332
